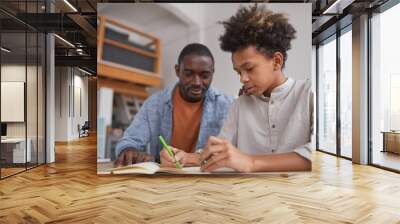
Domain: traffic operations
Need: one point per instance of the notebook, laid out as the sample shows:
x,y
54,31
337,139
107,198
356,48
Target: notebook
x,y
152,168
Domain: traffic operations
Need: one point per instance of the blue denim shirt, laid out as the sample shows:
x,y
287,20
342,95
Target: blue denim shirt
x,y
155,118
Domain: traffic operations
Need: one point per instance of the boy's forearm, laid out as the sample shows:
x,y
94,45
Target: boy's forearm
x,y
193,159
280,162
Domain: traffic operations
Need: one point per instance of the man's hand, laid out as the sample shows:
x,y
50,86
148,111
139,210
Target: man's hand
x,y
186,159
130,156
220,153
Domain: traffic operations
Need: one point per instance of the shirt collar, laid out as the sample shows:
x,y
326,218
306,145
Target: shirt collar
x,y
279,91
283,88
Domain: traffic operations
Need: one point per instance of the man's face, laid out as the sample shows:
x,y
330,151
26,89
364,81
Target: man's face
x,y
195,75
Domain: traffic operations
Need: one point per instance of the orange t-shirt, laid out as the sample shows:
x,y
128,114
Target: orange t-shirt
x,y
186,119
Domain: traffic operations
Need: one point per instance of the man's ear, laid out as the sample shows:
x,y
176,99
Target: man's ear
x,y
177,70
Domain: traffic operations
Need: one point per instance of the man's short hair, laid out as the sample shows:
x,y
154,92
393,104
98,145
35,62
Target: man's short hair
x,y
195,49
255,25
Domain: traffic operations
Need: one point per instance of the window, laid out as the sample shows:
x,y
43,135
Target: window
x,y
327,96
346,92
385,89
22,75
394,102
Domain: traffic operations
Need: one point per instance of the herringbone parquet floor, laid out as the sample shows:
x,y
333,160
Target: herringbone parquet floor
x,y
69,191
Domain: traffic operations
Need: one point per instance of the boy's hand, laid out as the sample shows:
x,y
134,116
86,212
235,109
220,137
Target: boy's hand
x,y
220,153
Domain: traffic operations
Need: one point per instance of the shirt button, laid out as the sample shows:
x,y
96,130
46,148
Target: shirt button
x,y
273,126
273,150
272,102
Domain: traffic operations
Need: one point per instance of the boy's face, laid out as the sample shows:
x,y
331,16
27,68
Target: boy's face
x,y
195,75
257,71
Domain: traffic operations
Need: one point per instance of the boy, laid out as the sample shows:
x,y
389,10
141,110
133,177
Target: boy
x,y
269,127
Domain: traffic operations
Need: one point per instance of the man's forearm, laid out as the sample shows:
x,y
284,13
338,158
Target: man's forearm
x,y
280,162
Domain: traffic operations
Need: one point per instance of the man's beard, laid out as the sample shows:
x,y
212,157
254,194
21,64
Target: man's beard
x,y
189,96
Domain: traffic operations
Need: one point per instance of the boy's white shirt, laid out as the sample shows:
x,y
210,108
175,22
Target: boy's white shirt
x,y
270,125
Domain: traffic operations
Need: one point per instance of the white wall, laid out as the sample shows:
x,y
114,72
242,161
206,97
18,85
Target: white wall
x,y
80,83
33,126
105,98
12,73
179,24
66,121
61,103
50,95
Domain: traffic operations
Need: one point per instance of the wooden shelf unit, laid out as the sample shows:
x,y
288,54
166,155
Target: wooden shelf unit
x,y
118,76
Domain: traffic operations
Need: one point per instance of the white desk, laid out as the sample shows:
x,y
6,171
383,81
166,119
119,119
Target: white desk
x,y
19,149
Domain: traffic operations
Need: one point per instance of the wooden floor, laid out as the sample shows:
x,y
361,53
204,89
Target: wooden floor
x,y
386,159
8,171
69,191
5,172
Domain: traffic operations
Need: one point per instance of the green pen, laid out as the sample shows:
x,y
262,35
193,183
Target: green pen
x,y
170,152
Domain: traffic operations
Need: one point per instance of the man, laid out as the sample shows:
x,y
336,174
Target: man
x,y
185,115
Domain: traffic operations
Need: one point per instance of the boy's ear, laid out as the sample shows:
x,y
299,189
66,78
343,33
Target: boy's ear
x,y
278,60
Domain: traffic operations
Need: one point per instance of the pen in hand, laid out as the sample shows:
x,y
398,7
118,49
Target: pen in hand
x,y
170,152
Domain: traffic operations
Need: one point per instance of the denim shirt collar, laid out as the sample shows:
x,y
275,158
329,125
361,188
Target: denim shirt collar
x,y
166,126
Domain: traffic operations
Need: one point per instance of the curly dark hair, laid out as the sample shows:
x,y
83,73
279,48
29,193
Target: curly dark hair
x,y
255,25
